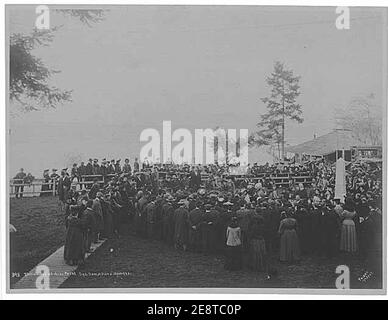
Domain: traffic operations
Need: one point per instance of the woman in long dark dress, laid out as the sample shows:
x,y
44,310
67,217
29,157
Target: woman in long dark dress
x,y
289,242
107,217
373,237
74,252
257,249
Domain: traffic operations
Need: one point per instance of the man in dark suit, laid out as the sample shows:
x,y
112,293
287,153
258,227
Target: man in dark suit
x,y
195,178
195,219
136,166
81,171
127,167
89,172
74,171
118,166
94,189
20,179
112,167
64,184
46,185
104,170
96,167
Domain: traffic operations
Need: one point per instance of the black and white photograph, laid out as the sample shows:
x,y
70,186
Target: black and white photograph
x,y
195,148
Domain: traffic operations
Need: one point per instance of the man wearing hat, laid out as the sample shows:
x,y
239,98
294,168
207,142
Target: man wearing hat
x,y
64,184
127,166
208,229
81,171
168,220
89,168
20,179
111,167
54,178
103,170
89,172
46,185
96,167
195,219
118,166
136,166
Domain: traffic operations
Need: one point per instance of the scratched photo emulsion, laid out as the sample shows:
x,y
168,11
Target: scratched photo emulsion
x,y
194,148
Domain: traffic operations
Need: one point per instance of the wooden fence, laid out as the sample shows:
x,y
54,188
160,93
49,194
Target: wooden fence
x,y
35,188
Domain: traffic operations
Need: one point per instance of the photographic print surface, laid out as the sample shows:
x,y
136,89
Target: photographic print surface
x,y
196,148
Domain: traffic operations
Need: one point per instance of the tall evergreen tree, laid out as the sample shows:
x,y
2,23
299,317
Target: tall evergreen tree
x,y
281,105
29,77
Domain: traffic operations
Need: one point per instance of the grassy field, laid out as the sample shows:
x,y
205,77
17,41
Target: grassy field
x,y
40,232
132,262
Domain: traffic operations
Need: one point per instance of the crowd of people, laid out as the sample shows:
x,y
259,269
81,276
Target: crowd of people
x,y
249,218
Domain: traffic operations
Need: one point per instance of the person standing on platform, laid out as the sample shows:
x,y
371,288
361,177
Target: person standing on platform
x,y
74,172
112,166
96,167
127,167
136,166
64,184
81,171
20,179
46,184
89,172
54,180
104,170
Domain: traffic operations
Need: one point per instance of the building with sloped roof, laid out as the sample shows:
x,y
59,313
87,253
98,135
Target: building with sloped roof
x,y
331,146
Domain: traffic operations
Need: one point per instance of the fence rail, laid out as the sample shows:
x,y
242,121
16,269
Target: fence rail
x,y
41,186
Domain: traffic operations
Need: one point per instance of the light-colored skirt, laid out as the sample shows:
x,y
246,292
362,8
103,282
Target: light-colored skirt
x,y
348,237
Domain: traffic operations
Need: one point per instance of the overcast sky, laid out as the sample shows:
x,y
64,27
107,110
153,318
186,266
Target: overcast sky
x,y
198,66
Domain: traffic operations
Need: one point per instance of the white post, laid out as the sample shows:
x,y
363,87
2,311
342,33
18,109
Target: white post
x,y
340,180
